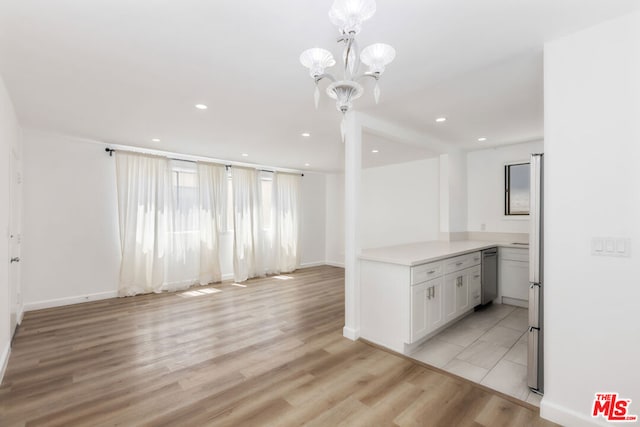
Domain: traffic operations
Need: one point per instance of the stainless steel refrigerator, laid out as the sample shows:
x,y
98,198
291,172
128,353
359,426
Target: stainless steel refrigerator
x,y
535,366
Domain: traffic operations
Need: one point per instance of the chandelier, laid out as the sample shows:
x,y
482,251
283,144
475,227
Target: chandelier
x,y
348,16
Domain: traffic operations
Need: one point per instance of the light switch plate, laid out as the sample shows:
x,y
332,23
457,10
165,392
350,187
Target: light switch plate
x,y
611,246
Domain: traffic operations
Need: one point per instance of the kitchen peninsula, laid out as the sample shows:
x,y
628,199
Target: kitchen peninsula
x,y
410,292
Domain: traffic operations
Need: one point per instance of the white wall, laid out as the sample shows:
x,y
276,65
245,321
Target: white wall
x,y
400,203
485,187
313,233
71,240
592,151
9,138
334,243
71,246
453,193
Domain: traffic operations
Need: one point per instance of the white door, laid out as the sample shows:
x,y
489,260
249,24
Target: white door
x,y
14,238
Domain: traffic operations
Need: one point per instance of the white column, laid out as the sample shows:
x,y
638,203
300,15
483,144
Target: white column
x,y
352,173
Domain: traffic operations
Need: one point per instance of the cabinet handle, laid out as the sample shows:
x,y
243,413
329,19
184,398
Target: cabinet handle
x,y
431,271
476,276
458,263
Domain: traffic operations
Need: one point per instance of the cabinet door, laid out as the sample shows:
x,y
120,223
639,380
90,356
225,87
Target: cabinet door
x,y
462,292
475,285
419,294
435,309
449,295
514,280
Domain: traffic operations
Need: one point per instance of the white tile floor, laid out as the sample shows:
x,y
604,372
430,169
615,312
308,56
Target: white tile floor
x,y
488,347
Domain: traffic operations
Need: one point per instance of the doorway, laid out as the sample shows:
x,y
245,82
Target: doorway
x,y
15,237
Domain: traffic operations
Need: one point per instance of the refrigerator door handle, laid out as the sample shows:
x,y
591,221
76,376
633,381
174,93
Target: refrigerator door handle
x,y
532,359
534,305
534,217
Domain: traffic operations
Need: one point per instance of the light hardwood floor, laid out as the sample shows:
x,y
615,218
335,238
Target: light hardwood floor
x,y
266,353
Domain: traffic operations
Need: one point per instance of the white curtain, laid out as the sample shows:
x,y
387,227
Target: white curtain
x,y
182,266
170,215
213,189
287,221
144,208
248,242
172,212
266,223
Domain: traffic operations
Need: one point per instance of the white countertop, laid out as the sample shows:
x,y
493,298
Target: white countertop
x,y
422,252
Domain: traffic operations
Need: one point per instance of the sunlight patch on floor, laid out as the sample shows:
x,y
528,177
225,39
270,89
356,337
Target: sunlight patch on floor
x,y
199,292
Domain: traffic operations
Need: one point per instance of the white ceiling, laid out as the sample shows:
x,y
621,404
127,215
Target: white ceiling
x,y
125,72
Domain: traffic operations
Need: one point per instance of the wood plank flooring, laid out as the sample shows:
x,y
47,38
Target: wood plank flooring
x,y
269,352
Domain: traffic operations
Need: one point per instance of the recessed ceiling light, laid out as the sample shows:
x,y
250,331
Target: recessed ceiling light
x,y
155,140
201,107
375,151
306,134
245,155
307,164
483,139
441,119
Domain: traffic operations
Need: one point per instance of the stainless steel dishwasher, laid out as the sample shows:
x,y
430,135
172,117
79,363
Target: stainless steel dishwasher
x,y
489,282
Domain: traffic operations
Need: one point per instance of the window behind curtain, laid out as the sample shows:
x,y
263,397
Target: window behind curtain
x,y
266,186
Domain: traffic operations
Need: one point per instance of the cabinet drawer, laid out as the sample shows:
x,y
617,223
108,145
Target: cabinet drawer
x,y
461,262
514,254
424,272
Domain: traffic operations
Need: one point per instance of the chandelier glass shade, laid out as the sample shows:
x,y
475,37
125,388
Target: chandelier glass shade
x,y
348,16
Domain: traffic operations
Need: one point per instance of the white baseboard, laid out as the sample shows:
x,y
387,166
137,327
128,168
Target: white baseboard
x,y
20,314
4,360
352,334
312,264
335,264
38,305
568,417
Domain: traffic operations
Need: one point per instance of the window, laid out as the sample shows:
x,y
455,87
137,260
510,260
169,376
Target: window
x,y
267,202
185,187
266,188
229,207
516,189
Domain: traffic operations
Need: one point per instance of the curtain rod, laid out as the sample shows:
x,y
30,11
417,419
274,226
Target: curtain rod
x,y
227,166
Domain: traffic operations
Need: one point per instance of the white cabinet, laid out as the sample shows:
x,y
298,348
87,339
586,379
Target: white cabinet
x,y
450,288
462,291
401,305
435,309
514,276
426,308
475,285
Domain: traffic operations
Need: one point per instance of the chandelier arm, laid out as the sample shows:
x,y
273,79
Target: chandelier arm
x,y
356,50
324,76
367,74
347,50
